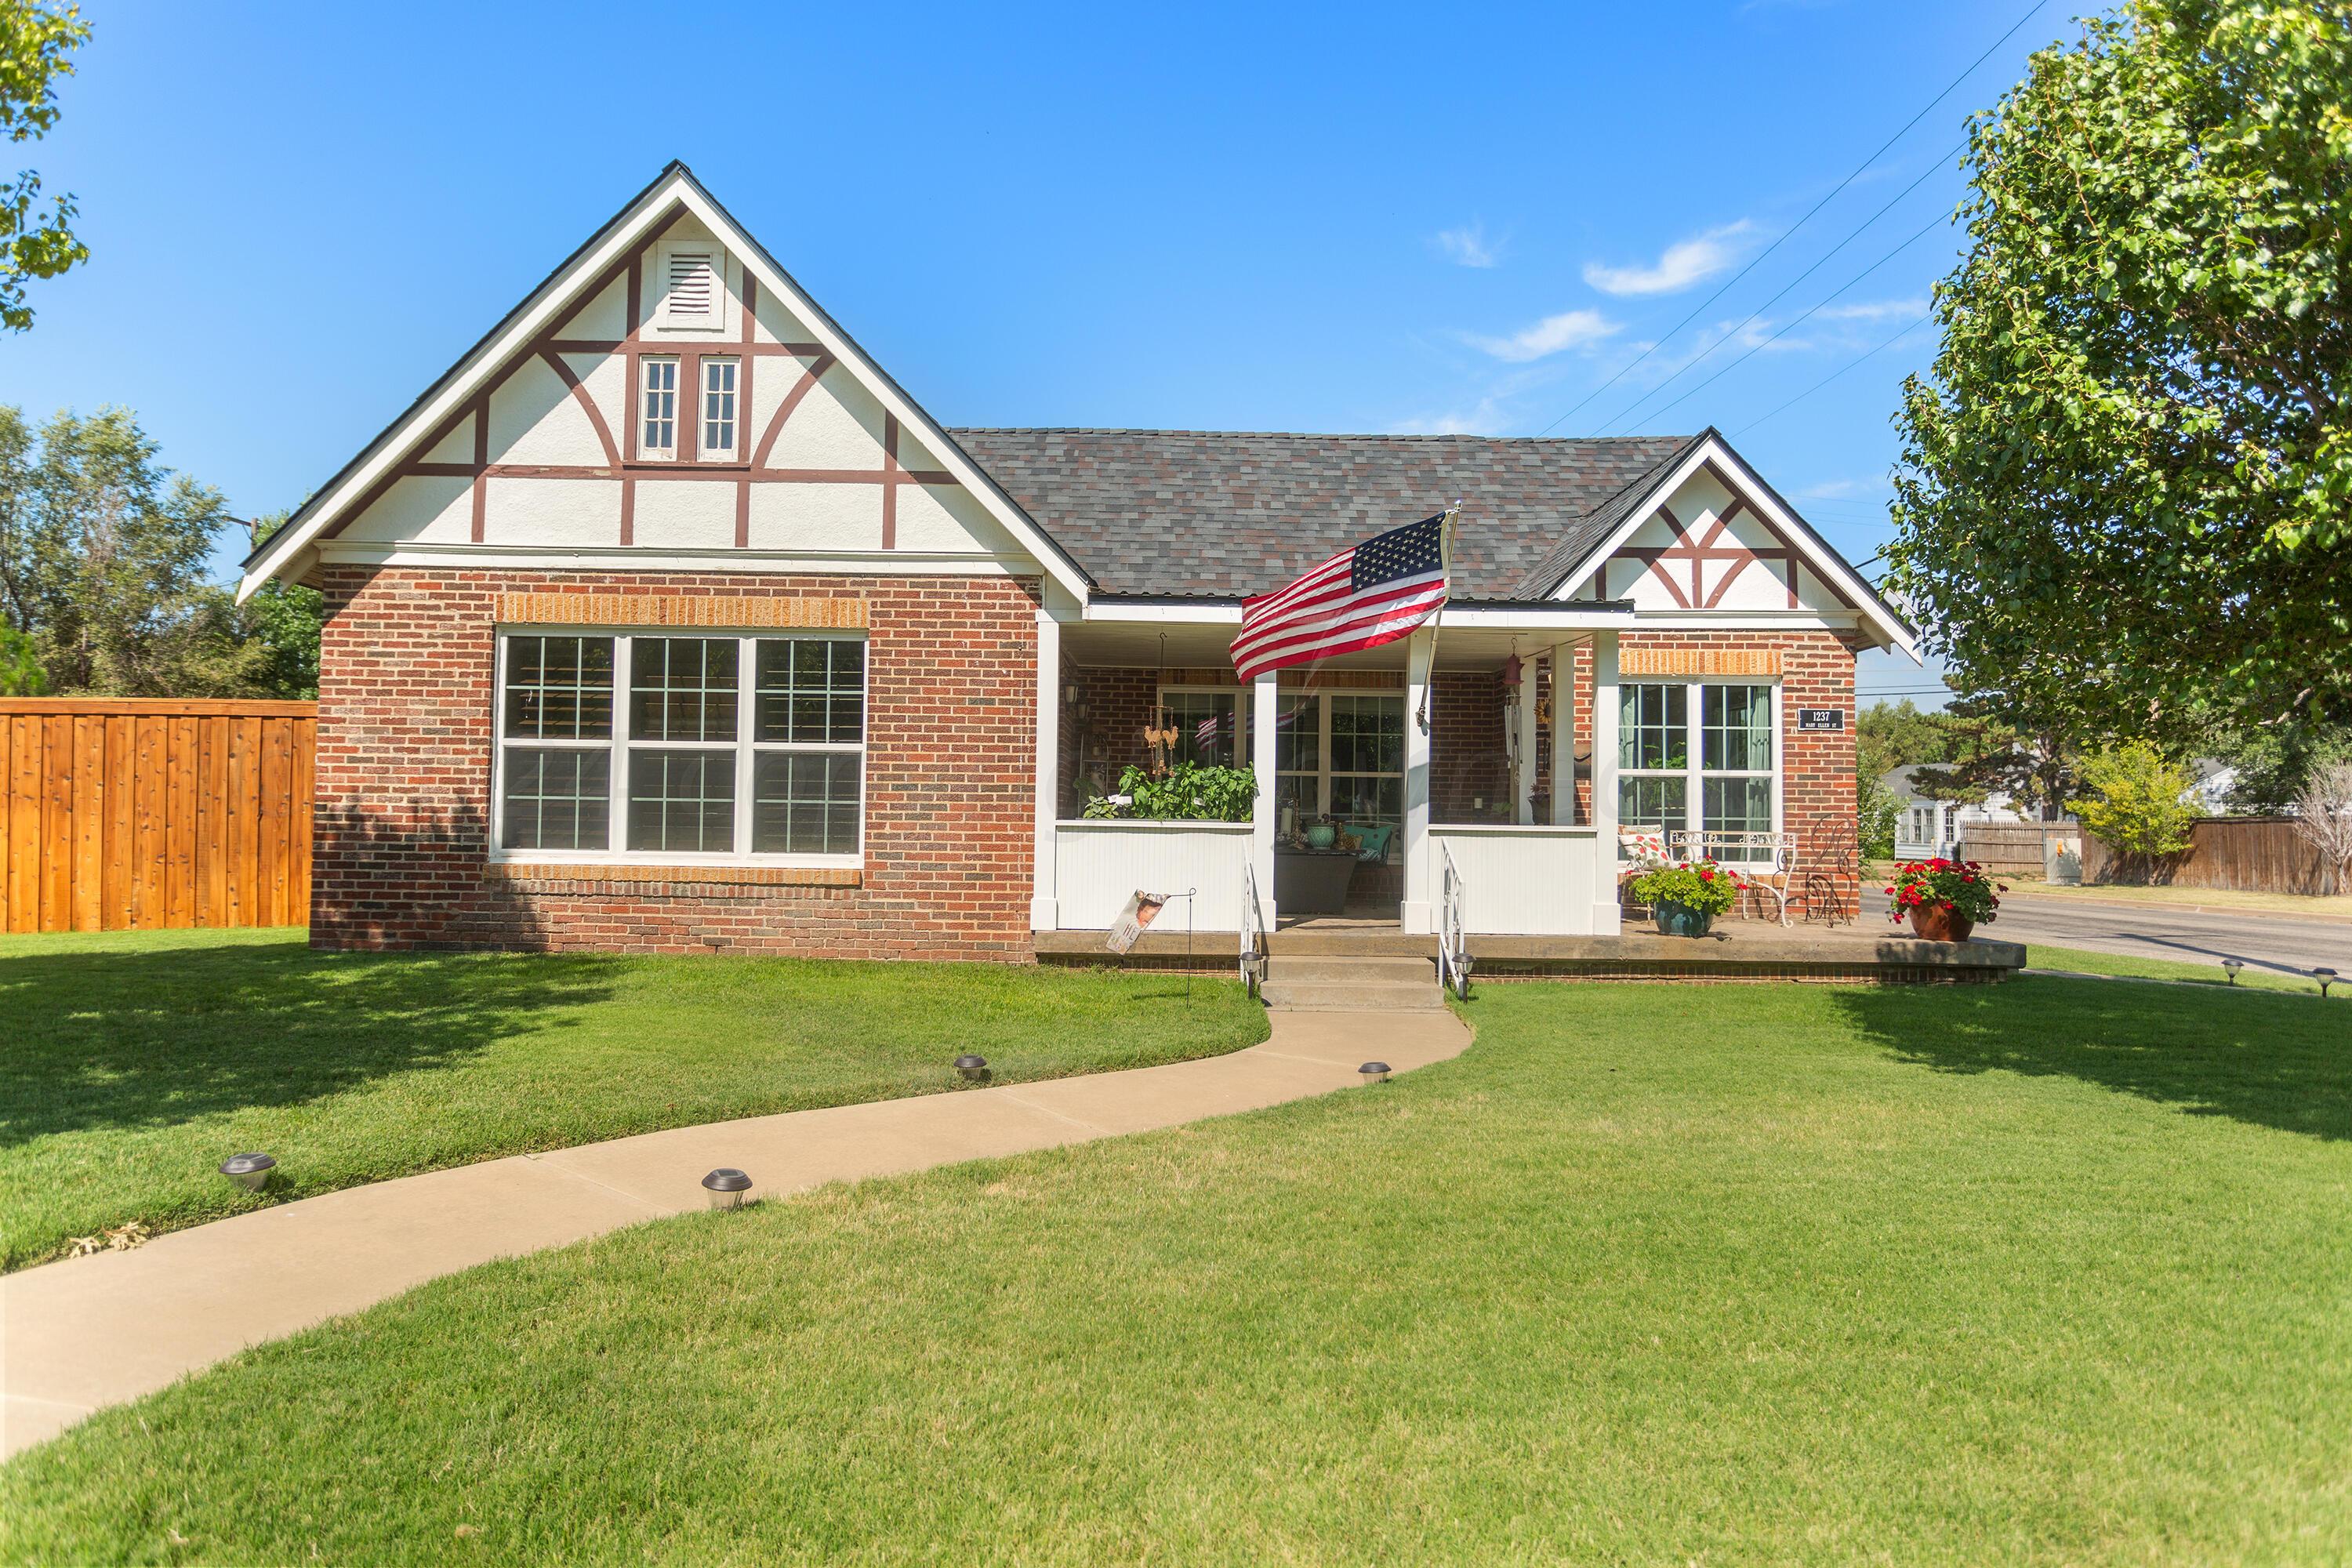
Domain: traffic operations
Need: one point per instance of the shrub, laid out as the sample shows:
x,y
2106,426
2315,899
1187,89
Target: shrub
x,y
1190,793
1701,885
2140,804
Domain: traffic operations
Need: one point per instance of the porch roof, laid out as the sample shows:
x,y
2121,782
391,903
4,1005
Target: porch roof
x,y
1225,514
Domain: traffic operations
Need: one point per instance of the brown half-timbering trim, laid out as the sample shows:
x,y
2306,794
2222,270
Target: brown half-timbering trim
x,y
729,472
564,609
628,509
482,486
801,388
614,345
750,307
890,491
555,361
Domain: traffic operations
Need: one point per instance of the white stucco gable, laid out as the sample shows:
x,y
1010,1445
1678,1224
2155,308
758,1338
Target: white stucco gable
x,y
1710,538
669,397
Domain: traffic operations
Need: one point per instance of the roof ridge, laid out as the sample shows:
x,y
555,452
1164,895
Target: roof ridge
x,y
1312,435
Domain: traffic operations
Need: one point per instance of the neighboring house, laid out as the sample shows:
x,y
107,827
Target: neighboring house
x,y
667,620
1925,826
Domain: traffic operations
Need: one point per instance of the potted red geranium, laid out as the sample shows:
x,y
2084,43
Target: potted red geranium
x,y
1943,899
1687,899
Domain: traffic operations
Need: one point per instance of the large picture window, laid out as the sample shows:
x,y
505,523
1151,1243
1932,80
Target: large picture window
x,y
1339,754
1698,757
725,748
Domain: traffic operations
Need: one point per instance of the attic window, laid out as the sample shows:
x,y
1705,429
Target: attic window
x,y
693,293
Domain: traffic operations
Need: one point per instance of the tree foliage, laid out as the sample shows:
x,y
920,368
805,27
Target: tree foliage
x,y
21,674
36,42
284,620
2140,804
103,555
2126,485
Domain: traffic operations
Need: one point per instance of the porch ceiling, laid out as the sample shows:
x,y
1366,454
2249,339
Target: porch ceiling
x,y
1096,645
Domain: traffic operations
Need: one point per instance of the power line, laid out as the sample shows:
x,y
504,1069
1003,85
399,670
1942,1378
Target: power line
x,y
1855,233
1801,223
1940,220
1833,375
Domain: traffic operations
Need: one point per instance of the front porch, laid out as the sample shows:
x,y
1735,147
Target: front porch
x,y
1464,754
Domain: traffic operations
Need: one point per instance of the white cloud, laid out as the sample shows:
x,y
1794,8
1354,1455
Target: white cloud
x,y
1569,330
1484,419
1874,311
1469,247
1685,262
1836,490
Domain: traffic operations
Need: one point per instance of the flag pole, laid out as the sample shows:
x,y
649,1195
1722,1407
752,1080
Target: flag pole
x,y
1445,565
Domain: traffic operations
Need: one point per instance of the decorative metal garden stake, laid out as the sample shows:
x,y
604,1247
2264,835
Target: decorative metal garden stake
x,y
974,1069
727,1186
2327,978
250,1172
1374,1072
2233,965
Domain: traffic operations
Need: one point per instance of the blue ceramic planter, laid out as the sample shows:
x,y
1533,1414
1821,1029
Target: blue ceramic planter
x,y
1681,920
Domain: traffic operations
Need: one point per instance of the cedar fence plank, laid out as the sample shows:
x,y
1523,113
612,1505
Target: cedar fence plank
x,y
116,784
179,824
56,822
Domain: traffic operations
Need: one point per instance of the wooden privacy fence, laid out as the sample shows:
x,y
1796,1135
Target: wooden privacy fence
x,y
2012,850
2253,854
125,813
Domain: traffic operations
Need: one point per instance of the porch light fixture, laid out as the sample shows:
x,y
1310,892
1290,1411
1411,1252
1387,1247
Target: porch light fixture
x,y
974,1069
2233,965
726,1187
1373,1072
2327,978
250,1172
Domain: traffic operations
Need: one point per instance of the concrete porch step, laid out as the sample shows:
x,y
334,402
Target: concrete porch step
x,y
1286,968
1348,996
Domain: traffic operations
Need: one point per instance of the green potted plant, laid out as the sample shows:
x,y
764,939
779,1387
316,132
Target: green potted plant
x,y
1943,900
1686,898
1190,793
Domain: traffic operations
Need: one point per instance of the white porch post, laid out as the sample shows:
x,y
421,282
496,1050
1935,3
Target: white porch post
x,y
1413,913
1604,780
1563,734
1264,814
1523,775
1045,908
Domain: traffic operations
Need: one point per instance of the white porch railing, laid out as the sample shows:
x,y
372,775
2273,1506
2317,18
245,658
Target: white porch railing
x,y
1098,865
1517,880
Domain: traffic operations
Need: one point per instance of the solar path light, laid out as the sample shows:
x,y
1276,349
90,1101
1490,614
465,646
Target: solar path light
x,y
727,1186
974,1069
1373,1072
250,1172
2327,978
2233,965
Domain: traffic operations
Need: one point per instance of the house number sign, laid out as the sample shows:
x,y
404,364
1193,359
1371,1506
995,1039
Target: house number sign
x,y
1821,717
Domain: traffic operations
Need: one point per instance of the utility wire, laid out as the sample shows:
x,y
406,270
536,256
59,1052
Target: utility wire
x,y
1833,375
1801,223
1939,221
1852,235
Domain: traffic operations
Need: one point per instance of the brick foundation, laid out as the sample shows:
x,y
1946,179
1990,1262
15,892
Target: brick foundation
x,y
403,779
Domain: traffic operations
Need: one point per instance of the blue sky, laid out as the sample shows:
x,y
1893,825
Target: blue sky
x,y
1352,218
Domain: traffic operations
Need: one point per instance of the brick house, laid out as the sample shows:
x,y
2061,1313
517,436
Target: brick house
x,y
666,620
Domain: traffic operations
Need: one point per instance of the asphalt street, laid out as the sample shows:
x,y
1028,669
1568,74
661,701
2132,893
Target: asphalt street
x,y
2272,941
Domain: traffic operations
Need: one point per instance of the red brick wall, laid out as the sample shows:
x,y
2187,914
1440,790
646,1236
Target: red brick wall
x,y
1468,759
1816,771
403,779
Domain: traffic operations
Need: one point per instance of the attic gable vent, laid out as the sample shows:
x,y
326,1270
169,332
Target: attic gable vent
x,y
693,286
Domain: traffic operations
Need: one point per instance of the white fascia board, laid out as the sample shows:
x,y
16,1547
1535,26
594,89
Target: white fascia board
x,y
1537,617
1178,614
1825,562
554,299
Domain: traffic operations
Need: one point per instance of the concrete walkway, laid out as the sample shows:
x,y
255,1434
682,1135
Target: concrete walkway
x,y
93,1332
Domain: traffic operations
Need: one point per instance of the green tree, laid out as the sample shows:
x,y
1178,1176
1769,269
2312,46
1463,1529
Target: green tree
x,y
21,674
2126,485
36,43
2140,804
103,562
2275,761
1889,735
2002,747
284,620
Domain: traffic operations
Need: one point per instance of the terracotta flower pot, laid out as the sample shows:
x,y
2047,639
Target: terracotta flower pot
x,y
1681,920
1937,924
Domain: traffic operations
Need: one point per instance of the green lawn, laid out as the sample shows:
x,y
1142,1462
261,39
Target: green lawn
x,y
2084,961
2033,1273
134,1063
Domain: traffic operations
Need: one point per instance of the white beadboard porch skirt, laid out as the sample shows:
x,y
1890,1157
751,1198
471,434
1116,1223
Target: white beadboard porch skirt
x,y
1521,880
1099,864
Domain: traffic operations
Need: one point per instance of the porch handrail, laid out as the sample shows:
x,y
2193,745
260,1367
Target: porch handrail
x,y
1252,924
1452,942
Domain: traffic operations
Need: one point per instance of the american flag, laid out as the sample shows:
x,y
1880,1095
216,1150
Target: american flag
x,y
1371,593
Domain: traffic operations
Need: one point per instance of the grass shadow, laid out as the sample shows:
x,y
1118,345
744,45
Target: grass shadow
x,y
2262,1057
141,1038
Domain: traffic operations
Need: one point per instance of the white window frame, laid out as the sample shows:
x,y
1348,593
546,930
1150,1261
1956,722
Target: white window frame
x,y
1323,772
645,406
707,450
1695,773
746,748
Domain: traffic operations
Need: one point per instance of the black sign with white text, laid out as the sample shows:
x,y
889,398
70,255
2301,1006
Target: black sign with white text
x,y
1821,717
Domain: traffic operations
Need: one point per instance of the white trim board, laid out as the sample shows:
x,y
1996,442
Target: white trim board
x,y
291,552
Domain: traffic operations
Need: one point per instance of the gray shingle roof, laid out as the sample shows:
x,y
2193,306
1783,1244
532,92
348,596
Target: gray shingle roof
x,y
1220,513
